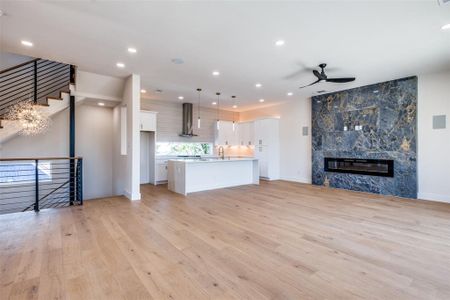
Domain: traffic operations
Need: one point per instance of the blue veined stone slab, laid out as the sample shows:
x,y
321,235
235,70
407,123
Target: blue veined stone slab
x,y
386,116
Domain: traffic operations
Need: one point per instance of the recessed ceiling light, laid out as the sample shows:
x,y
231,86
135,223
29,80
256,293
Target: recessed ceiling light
x,y
132,50
446,27
216,73
258,85
180,97
214,103
279,43
101,104
27,43
143,91
120,65
234,106
290,93
261,100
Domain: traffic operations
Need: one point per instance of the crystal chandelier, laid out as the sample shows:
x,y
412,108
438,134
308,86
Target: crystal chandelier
x,y
32,120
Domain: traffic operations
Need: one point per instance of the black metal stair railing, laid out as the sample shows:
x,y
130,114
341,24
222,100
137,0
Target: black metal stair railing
x,y
40,183
36,80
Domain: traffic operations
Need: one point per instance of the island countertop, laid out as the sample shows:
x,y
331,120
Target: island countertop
x,y
211,160
193,175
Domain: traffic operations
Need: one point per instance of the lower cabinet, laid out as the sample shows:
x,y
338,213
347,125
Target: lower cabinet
x,y
161,171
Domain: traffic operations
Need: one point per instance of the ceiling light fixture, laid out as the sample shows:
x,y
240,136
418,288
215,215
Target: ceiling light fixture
x,y
120,65
198,109
261,100
180,97
218,110
101,104
32,120
216,73
258,85
290,93
143,91
279,43
132,50
214,103
446,27
27,43
234,106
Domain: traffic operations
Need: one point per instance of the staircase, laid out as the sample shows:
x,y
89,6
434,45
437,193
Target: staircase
x,y
47,83
38,182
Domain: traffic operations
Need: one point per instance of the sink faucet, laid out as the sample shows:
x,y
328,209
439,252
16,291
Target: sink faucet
x,y
221,152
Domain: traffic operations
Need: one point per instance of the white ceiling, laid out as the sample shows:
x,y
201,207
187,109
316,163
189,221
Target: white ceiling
x,y
372,40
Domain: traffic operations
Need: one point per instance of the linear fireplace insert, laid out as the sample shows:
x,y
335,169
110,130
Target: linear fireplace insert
x,y
374,167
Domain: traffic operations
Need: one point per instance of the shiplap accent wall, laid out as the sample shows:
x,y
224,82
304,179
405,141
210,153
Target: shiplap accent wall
x,y
169,121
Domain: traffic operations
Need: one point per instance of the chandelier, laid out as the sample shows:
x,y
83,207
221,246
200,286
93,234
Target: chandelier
x,y
32,120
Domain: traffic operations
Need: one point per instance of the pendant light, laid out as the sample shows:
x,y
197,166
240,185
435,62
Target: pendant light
x,y
198,109
234,113
218,110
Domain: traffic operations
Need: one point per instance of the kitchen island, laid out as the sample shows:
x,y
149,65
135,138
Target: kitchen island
x,y
193,175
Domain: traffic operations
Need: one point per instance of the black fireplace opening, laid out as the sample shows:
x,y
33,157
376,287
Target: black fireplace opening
x,y
374,167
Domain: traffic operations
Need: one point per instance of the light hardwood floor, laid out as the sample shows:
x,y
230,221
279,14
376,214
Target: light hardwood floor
x,y
280,240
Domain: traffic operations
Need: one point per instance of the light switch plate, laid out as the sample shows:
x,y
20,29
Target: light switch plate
x,y
305,130
439,122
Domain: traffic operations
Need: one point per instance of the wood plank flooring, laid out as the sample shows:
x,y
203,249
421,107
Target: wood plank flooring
x,y
280,240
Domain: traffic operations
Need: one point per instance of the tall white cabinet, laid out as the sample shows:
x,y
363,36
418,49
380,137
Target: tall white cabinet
x,y
267,147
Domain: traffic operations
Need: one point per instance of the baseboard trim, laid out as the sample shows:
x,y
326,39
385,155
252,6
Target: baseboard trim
x,y
135,196
434,197
300,180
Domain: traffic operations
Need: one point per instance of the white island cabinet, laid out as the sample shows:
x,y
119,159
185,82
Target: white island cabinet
x,y
187,176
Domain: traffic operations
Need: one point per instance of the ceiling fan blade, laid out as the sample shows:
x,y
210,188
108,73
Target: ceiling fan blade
x,y
317,74
317,81
340,80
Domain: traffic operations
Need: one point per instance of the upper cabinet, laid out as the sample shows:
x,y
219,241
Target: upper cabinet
x,y
246,134
226,134
148,120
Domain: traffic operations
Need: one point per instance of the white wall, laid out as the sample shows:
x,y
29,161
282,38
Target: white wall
x,y
127,167
433,145
93,143
295,149
169,121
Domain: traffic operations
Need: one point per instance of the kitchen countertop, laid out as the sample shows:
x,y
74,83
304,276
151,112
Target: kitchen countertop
x,y
212,160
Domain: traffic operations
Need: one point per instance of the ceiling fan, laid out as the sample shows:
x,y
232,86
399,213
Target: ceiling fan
x,y
321,76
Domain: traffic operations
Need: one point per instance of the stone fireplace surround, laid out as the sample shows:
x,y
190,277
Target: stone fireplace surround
x,y
371,122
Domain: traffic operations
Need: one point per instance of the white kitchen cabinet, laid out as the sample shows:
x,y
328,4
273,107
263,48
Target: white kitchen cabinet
x,y
161,170
148,120
267,147
225,135
246,134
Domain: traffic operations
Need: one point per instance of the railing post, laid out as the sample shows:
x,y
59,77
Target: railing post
x,y
36,181
80,180
35,94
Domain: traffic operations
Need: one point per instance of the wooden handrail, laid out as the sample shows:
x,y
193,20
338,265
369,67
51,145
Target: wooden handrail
x,y
39,158
18,66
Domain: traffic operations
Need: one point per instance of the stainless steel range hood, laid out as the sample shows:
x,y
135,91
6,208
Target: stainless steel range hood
x,y
188,130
